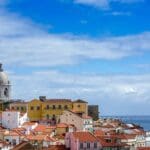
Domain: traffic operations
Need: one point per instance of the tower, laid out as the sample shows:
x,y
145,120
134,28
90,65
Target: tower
x,y
4,86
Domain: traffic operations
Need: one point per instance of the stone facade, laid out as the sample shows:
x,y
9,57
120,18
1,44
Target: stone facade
x,y
4,86
82,123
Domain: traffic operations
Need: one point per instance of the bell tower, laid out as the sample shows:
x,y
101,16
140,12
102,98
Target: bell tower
x,y
4,86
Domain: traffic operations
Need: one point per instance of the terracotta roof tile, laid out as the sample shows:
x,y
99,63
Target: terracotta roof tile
x,y
143,148
85,136
29,123
62,125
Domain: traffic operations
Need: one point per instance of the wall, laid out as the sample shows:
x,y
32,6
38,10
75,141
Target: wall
x,y
35,114
79,107
71,118
10,119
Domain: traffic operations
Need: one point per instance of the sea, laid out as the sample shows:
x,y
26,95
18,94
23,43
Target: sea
x,y
143,121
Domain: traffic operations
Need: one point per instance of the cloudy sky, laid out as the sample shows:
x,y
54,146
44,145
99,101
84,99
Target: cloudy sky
x,y
96,50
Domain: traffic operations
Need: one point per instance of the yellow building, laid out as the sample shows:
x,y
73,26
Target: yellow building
x,y
19,106
35,110
80,107
51,109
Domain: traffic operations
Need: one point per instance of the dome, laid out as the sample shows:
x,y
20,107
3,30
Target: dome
x,y
3,77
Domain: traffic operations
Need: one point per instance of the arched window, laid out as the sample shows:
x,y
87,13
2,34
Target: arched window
x,y
6,92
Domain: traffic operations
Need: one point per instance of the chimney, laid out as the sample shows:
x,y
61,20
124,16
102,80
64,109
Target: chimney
x,y
42,98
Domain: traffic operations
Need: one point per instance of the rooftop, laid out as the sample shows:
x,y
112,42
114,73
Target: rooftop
x,y
85,136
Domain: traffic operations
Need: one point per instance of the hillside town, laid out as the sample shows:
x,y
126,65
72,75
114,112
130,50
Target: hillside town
x,y
62,124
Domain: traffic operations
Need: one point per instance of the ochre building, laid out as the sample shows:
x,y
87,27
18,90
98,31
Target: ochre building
x,y
19,106
51,109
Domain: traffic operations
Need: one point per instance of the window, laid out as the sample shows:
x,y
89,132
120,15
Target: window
x,y
95,145
54,107
22,108
7,140
81,145
17,108
47,116
47,107
6,92
65,107
59,106
78,106
12,108
88,145
31,108
38,108
108,140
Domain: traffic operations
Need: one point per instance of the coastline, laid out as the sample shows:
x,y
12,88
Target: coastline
x,y
143,121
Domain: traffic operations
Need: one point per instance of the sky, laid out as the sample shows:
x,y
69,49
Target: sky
x,y
95,50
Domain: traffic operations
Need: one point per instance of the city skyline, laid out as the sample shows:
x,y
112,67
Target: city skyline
x,y
96,50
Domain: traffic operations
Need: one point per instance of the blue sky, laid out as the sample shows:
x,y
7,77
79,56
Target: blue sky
x,y
97,50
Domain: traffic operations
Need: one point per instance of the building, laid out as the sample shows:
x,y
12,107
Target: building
x,y
4,86
4,145
80,107
12,137
93,111
20,106
82,140
5,89
52,109
13,119
82,123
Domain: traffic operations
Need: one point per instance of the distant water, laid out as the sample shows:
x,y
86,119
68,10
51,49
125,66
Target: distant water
x,y
143,121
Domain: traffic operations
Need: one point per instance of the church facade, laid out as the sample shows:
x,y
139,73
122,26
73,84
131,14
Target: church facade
x,y
5,87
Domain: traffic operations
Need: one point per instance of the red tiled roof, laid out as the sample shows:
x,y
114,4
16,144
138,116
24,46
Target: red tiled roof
x,y
85,136
129,136
29,123
36,137
61,125
42,128
19,129
11,133
41,137
109,144
143,148
56,147
99,133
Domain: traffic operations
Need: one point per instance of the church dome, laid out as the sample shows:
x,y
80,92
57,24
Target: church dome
x,y
3,77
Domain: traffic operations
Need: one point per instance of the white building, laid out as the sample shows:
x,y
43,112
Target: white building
x,y
13,119
4,145
12,137
4,86
82,123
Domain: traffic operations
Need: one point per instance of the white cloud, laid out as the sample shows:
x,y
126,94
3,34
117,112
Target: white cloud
x,y
105,4
116,13
25,43
116,86
98,89
97,3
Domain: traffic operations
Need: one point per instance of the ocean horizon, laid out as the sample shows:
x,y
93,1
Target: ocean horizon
x,y
143,121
